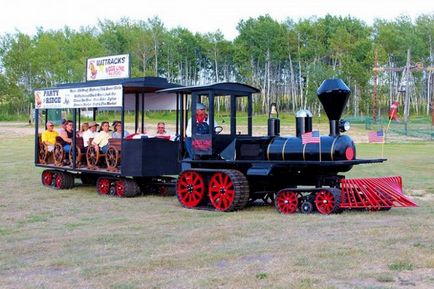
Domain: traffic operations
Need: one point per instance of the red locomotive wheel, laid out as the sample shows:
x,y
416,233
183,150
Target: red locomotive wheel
x,y
103,186
47,178
221,191
120,188
325,202
286,202
190,189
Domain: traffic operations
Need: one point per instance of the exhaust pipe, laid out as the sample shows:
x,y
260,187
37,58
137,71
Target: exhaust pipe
x,y
333,94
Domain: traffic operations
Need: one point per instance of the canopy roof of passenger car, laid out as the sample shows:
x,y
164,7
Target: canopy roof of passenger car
x,y
223,88
130,85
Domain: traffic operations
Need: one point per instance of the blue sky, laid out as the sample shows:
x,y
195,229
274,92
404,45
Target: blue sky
x,y
198,16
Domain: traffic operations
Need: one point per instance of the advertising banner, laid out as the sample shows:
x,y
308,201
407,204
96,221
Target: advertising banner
x,y
97,96
108,67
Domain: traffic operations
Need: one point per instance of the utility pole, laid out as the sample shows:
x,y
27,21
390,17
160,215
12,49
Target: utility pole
x,y
374,94
432,99
407,92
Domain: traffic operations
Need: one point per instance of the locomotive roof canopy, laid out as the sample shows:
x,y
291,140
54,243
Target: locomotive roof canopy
x,y
130,85
222,88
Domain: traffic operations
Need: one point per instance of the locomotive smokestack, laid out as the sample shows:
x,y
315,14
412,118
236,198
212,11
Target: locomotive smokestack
x,y
333,94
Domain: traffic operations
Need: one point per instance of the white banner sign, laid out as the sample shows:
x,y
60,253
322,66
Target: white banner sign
x,y
97,96
109,67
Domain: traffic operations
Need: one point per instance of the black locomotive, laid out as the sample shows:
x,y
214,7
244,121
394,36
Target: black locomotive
x,y
231,168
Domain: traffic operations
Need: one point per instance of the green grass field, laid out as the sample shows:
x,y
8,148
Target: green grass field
x,y
77,239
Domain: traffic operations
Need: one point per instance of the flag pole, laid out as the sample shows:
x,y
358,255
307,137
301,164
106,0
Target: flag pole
x,y
319,147
388,125
384,139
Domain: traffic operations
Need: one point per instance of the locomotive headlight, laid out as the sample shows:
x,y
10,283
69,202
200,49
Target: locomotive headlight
x,y
344,125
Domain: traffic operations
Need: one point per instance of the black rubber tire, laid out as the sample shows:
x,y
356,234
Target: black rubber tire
x,y
338,196
70,180
132,189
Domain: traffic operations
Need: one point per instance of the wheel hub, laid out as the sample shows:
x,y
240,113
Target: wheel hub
x,y
190,188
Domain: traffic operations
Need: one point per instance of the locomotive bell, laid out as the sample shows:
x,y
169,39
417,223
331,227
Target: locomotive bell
x,y
273,121
333,94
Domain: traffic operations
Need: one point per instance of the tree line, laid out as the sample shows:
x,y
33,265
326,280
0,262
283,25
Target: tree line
x,y
286,60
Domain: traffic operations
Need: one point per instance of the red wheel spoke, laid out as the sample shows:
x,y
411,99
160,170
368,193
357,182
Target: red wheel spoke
x,y
227,182
217,179
225,202
182,190
213,196
230,193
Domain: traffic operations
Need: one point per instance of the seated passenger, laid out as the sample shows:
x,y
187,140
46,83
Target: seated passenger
x,y
100,142
66,136
161,131
49,136
83,129
62,126
117,130
90,133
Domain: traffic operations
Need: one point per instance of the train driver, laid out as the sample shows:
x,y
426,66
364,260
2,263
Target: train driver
x,y
202,126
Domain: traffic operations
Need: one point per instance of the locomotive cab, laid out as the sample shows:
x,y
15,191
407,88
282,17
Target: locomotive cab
x,y
228,114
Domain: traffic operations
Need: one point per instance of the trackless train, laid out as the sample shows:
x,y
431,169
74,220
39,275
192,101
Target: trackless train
x,y
222,167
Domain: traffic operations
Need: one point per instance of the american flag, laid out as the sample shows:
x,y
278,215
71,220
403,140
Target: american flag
x,y
310,137
376,136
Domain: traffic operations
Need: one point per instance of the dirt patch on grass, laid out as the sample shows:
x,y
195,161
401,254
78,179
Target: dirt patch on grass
x,y
14,129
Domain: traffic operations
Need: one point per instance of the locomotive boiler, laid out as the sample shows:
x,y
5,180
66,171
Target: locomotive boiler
x,y
333,95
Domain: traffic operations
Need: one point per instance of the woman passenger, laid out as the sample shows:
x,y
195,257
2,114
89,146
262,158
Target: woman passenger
x,y
100,142
117,127
84,127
